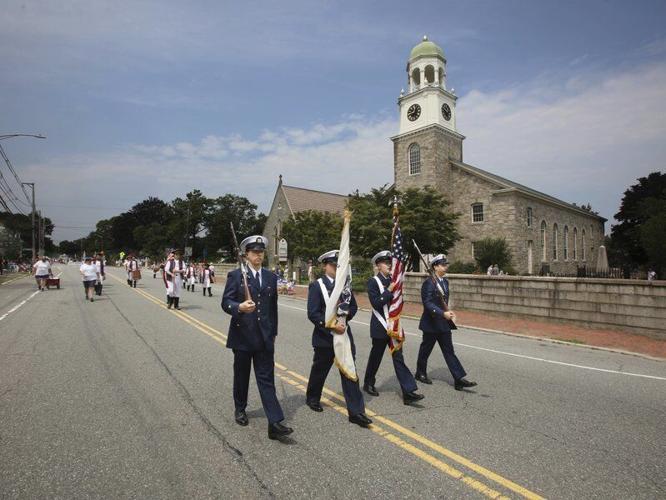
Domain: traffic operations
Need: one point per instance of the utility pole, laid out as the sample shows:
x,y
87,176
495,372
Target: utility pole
x,y
42,230
32,185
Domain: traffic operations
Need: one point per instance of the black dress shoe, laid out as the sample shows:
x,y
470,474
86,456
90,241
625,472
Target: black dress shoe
x,y
241,417
411,397
459,385
370,389
360,419
422,378
277,430
316,406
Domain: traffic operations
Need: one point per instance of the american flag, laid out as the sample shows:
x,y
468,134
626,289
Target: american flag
x,y
399,263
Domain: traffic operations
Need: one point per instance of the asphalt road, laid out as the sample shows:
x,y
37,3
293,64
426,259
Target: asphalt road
x,y
122,398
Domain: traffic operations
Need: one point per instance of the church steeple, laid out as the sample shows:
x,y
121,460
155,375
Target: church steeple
x,y
427,101
427,140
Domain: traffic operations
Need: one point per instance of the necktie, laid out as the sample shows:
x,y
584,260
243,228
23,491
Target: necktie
x,y
257,274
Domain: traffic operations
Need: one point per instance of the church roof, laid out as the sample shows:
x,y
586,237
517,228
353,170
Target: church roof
x,y
302,199
426,49
509,185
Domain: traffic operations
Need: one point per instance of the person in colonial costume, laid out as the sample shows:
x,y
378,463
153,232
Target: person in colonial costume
x,y
252,332
191,277
174,271
207,278
133,271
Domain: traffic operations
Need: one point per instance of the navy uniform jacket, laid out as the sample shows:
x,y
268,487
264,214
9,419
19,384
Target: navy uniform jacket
x,y
255,331
321,336
432,319
378,301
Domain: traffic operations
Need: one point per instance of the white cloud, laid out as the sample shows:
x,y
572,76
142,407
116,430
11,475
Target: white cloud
x,y
582,141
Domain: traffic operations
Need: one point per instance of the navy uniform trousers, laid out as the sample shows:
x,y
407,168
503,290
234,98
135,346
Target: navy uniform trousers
x,y
446,345
324,356
405,377
252,339
436,329
380,339
264,374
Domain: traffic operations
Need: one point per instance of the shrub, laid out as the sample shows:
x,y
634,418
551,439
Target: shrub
x,y
463,268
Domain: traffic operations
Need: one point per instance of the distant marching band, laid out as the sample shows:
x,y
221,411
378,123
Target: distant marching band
x,y
250,298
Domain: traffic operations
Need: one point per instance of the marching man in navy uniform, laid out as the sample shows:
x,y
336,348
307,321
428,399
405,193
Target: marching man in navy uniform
x,y
436,327
380,293
322,342
252,332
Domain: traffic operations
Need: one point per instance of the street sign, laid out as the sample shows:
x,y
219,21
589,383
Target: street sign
x,y
188,251
283,250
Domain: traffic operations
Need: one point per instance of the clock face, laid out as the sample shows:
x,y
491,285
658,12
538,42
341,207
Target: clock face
x,y
413,112
446,112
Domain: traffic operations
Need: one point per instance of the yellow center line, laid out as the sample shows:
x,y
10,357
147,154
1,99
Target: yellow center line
x,y
289,377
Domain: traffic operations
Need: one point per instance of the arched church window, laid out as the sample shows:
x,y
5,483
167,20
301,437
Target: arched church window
x,y
477,212
416,77
582,245
529,216
543,241
430,74
441,76
554,241
566,243
414,159
575,244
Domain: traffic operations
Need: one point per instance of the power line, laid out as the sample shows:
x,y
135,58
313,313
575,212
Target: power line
x,y
11,168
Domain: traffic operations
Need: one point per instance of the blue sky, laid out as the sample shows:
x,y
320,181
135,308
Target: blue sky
x,y
157,98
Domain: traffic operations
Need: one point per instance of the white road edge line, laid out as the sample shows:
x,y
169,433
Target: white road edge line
x,y
583,367
18,305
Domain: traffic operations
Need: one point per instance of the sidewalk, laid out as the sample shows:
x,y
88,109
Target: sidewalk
x,y
592,337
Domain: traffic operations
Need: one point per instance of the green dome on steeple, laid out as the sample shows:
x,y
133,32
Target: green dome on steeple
x,y
427,49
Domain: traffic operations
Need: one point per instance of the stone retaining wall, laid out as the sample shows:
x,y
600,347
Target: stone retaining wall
x,y
630,305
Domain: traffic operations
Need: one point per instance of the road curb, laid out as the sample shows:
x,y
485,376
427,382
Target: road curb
x,y
533,337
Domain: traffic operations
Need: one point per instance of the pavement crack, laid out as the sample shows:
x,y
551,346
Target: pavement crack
x,y
237,454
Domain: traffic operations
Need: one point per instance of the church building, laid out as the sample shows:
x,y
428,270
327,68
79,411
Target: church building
x,y
544,234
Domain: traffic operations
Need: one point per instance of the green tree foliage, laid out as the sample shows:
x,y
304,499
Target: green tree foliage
x,y
224,210
153,225
424,216
638,240
21,225
463,268
489,251
311,233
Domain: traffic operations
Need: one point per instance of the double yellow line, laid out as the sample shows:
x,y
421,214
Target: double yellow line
x,y
397,435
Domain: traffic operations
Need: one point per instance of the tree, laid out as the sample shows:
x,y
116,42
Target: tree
x,y
224,210
189,216
489,251
21,225
641,203
311,233
424,216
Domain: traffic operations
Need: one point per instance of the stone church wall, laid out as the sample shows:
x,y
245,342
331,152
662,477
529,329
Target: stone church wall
x,y
278,214
630,305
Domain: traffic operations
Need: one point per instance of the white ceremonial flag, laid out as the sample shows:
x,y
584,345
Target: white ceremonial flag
x,y
337,306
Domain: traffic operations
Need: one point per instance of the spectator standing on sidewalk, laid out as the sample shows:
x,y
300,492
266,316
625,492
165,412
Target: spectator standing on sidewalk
x,y
90,276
